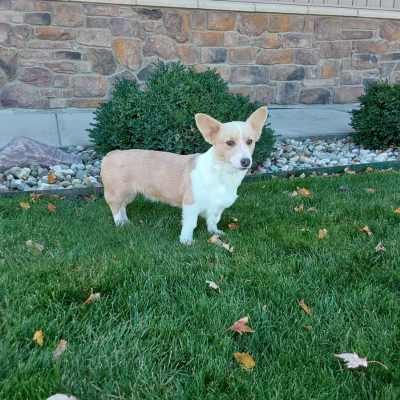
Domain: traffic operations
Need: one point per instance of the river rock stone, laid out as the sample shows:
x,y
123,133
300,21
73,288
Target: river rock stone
x,y
23,151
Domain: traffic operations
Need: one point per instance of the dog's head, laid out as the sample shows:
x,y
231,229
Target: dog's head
x,y
233,141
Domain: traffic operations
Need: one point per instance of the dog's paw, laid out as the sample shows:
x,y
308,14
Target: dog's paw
x,y
216,231
187,241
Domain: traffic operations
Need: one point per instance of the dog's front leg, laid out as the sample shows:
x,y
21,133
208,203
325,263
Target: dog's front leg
x,y
189,223
212,221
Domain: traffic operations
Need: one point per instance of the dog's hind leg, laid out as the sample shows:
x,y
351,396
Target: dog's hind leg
x,y
118,208
212,221
189,223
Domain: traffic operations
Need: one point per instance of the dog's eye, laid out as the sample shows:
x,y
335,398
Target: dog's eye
x,y
249,142
230,143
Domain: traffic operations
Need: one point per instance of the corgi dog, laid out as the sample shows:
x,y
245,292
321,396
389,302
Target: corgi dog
x,y
201,184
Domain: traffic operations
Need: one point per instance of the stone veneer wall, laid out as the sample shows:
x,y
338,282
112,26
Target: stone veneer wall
x,y
58,55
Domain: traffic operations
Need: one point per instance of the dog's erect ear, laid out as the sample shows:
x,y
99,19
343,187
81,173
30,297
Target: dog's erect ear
x,y
209,127
257,121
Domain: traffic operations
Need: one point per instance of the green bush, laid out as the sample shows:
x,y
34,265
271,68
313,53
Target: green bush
x,y
377,122
160,116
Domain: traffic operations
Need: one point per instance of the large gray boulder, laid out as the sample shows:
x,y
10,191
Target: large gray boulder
x,y
23,151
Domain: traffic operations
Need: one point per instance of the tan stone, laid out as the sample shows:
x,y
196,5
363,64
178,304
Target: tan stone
x,y
363,61
36,76
44,44
85,103
213,55
297,40
100,10
94,37
58,103
35,54
188,54
243,90
127,12
306,56
252,75
61,81
268,41
243,40
68,15
308,24
287,73
347,94
221,21
89,86
263,94
270,57
128,53
390,30
22,5
208,38
372,46
177,24
246,55
54,33
151,26
43,6
355,34
350,78
252,25
121,27
67,67
9,62
138,31
330,69
285,23
335,49
85,67
327,28
160,46
50,93
67,93
222,70
198,20
230,39
360,23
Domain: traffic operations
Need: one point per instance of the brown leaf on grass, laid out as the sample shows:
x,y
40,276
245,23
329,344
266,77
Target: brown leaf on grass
x,y
245,361
93,297
309,327
56,196
322,233
51,208
214,239
39,247
39,337
36,196
380,247
353,360
89,198
312,209
365,229
240,326
304,306
369,190
25,205
273,177
314,139
347,170
232,226
397,210
299,209
213,285
369,169
29,243
51,178
304,193
226,246
61,347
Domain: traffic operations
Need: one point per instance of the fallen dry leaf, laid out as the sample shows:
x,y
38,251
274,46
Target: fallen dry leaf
x,y
232,226
311,209
314,139
365,229
39,337
89,198
51,208
322,233
240,326
25,205
397,210
29,243
61,347
36,196
309,327
226,246
234,219
39,247
214,239
51,178
304,306
348,171
302,176
369,190
245,361
93,297
56,196
213,285
380,247
353,360
273,177
304,193
264,308
299,209
86,180
343,188
304,230
369,169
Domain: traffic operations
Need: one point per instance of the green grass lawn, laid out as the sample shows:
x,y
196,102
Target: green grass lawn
x,y
160,332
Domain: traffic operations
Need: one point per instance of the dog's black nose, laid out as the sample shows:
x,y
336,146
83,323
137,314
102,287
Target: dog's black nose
x,y
245,162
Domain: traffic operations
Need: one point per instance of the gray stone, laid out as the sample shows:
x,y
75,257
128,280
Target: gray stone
x,y
38,18
146,13
14,183
36,76
81,174
23,151
103,61
23,187
19,96
65,184
121,27
287,92
9,62
315,96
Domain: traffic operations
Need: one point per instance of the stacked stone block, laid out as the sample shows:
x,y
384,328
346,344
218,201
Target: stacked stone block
x,y
59,55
